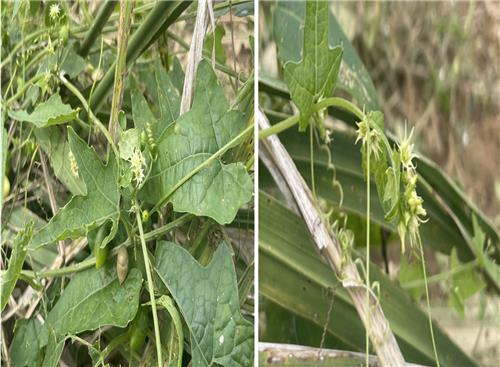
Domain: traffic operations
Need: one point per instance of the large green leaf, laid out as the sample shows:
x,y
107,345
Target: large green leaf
x,y
94,299
16,261
26,346
83,213
208,301
51,112
91,300
314,77
288,32
54,143
218,190
293,276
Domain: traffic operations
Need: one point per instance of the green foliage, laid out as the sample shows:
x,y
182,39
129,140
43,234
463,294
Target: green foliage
x,y
219,334
51,112
218,190
84,213
314,77
16,260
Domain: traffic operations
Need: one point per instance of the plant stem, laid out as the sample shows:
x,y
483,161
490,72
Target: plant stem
x,y
158,17
102,17
120,70
429,315
203,165
328,102
86,264
25,87
147,264
86,107
367,336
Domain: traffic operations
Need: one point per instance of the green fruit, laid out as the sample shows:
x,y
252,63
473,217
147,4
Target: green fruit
x,y
138,330
6,186
64,33
101,254
145,215
122,264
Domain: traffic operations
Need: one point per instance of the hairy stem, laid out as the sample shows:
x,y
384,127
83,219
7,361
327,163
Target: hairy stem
x,y
86,264
367,336
147,265
328,102
87,109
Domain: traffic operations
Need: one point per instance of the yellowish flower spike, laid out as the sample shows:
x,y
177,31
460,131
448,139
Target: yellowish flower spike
x,y
137,162
54,12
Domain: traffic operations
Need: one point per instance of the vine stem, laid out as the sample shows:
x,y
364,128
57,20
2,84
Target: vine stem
x,y
87,109
86,264
150,284
341,103
429,315
367,336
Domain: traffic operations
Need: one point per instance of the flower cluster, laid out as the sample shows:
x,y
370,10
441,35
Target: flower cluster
x,y
413,212
72,164
369,137
137,163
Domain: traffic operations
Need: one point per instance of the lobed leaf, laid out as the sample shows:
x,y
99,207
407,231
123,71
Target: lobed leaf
x,y
94,299
16,261
217,191
208,301
314,77
51,112
83,213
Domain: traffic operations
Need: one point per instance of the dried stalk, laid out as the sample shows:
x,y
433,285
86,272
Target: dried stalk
x,y
378,329
288,354
195,52
126,7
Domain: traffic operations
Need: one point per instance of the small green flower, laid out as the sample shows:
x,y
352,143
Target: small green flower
x,y
405,149
72,164
54,12
137,162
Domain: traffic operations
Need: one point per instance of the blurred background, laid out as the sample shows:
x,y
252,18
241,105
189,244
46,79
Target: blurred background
x,y
435,67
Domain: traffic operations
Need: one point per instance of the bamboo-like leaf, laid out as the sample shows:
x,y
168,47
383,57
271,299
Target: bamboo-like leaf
x,y
293,276
208,301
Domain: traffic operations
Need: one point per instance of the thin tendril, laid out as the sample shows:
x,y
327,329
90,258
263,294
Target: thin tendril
x,y
429,315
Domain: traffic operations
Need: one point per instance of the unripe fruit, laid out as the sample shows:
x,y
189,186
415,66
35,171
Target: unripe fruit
x,y
122,264
6,187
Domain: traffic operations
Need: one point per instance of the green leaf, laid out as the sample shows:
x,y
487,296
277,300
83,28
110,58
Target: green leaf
x,y
129,141
51,112
294,276
208,301
218,190
409,272
84,213
26,348
94,299
53,351
16,261
54,143
314,77
464,284
288,25
218,34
